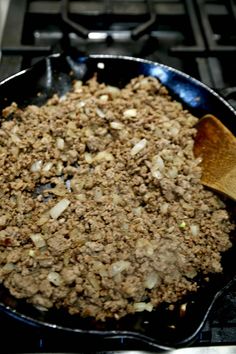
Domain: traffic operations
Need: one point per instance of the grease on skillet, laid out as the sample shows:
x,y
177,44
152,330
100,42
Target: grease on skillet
x,y
102,210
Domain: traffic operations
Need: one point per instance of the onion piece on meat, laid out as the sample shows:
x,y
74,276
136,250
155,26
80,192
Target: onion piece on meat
x,y
8,268
104,155
47,167
54,278
156,174
142,306
59,208
60,143
112,90
130,113
137,211
158,163
78,86
138,147
158,167
36,166
118,267
194,230
116,125
38,240
152,280
104,98
59,168
32,253
88,157
100,113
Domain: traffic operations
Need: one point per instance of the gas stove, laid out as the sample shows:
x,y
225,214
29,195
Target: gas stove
x,y
195,36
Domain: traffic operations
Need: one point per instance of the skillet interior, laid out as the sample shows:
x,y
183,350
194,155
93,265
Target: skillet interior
x,y
161,328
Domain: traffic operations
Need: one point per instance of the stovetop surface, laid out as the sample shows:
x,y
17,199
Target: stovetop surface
x,y
195,36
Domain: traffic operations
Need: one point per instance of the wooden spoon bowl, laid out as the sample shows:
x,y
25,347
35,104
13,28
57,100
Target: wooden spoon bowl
x,y
216,145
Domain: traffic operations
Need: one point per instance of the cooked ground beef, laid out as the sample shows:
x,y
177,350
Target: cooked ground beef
x,y
102,211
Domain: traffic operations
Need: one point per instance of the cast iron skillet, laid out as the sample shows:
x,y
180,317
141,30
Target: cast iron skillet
x,y
162,328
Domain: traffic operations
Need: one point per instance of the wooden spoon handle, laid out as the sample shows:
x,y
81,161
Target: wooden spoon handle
x,y
226,185
216,145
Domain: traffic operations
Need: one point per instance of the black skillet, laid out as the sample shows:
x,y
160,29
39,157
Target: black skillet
x,y
163,328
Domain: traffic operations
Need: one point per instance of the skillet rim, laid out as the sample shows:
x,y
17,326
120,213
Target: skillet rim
x,y
130,58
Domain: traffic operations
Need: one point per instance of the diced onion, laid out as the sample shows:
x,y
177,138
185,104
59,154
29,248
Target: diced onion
x,y
59,208
118,267
55,278
100,113
138,147
88,157
104,98
130,113
47,167
112,90
156,174
41,308
38,240
8,267
116,125
194,230
104,155
81,197
183,308
152,280
32,253
59,168
158,163
158,167
142,306
36,166
78,86
98,194
80,104
62,98
60,143
174,131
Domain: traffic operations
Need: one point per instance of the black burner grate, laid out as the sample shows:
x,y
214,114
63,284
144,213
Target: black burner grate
x,y
196,36
164,31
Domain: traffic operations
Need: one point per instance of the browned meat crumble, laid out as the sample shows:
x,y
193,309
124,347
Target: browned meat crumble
x,y
101,209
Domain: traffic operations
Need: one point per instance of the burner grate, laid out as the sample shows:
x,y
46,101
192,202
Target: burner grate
x,y
152,29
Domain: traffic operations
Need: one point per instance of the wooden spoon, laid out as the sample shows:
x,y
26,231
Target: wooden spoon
x,y
216,145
